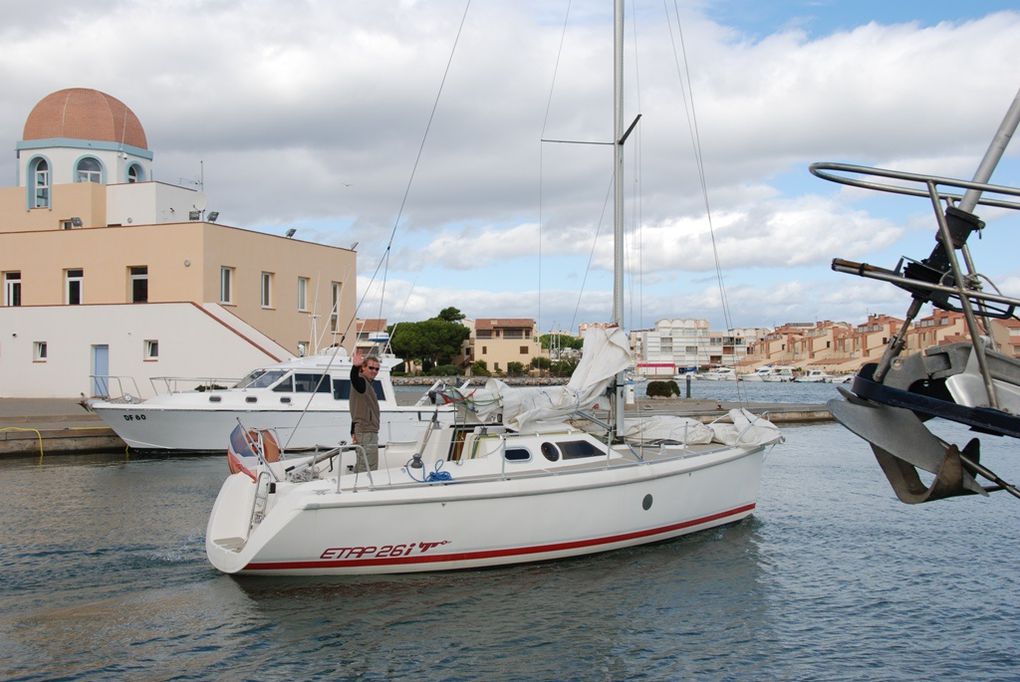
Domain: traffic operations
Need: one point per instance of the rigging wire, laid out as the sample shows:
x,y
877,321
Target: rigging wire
x,y
591,254
384,259
541,158
687,93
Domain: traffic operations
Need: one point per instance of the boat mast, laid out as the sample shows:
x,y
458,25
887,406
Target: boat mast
x,y
618,139
618,163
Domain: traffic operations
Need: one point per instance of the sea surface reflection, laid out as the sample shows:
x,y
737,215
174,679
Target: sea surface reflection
x,y
105,577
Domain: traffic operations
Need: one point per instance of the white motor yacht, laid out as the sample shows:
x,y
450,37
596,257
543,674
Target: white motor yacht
x,y
304,400
718,374
814,376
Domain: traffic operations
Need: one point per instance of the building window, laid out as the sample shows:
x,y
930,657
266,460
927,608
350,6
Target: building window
x,y
88,170
226,284
40,189
485,350
334,315
267,290
138,281
135,173
302,293
151,349
39,351
524,350
302,348
74,280
12,288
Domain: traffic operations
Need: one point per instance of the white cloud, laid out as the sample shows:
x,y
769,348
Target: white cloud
x,y
311,115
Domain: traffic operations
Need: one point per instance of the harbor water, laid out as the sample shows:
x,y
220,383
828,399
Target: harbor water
x,y
105,577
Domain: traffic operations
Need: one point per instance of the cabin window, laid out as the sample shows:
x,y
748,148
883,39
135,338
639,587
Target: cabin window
x,y
226,284
39,351
12,288
550,452
576,449
342,389
138,280
88,170
302,293
151,349
517,455
73,282
310,383
266,379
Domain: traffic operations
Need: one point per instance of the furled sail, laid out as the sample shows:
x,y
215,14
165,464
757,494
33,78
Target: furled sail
x,y
606,352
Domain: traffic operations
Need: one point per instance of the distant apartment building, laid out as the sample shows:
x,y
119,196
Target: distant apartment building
x,y
840,348
107,272
677,345
500,341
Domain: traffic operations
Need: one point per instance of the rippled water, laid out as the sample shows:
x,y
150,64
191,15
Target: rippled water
x,y
104,576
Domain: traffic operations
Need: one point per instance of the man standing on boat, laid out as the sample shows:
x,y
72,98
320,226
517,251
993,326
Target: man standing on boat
x,y
364,406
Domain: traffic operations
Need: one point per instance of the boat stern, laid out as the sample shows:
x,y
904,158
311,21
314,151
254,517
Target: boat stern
x,y
230,522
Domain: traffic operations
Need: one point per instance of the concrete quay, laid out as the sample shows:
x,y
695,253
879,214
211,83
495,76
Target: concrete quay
x,y
61,426
52,426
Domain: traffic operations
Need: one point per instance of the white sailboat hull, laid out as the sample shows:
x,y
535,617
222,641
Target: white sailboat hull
x,y
468,523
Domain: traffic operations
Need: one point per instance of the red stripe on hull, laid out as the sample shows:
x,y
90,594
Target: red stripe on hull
x,y
492,553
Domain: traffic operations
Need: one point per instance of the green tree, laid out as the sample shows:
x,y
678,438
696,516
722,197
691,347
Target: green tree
x,y
433,342
560,341
540,362
515,369
563,368
480,368
451,314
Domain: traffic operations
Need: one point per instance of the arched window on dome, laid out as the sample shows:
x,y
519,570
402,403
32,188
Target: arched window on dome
x,y
39,184
88,170
135,173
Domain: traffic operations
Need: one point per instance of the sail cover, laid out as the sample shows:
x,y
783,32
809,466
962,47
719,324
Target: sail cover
x,y
606,352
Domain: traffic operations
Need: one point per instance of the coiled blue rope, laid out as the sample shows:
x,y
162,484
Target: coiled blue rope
x,y
436,476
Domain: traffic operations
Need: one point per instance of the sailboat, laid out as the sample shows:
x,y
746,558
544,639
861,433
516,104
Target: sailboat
x,y
526,474
892,401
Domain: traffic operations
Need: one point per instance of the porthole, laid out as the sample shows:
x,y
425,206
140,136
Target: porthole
x,y
646,503
550,452
517,455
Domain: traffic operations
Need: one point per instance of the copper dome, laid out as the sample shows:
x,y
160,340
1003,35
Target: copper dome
x,y
84,114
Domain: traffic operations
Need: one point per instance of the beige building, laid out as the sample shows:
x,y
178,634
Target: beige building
x,y
88,236
500,341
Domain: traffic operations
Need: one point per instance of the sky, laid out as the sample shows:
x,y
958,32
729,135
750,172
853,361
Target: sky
x,y
415,130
